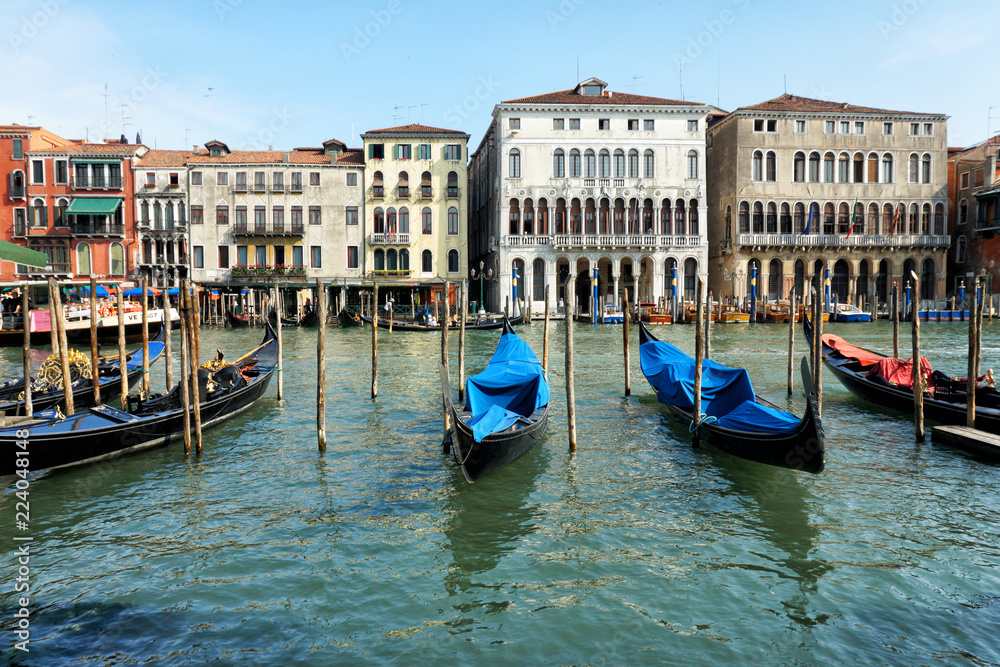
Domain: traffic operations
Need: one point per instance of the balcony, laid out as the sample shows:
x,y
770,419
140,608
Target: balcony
x,y
607,241
389,273
296,186
453,193
389,239
403,192
98,183
240,187
426,192
259,187
835,240
278,188
97,229
164,229
378,192
20,229
520,241
266,272
269,229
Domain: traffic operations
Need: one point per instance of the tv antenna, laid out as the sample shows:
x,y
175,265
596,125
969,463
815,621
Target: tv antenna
x,y
989,119
186,131
634,79
395,116
125,118
209,96
425,104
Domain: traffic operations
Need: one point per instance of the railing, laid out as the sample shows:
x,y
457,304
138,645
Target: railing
x,y
378,192
619,240
20,229
619,183
99,229
240,187
857,240
259,186
278,187
295,187
382,273
511,241
98,183
265,271
403,191
269,229
390,239
426,192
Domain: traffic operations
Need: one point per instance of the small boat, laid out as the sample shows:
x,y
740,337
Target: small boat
x,y
402,325
108,376
308,319
846,312
653,314
887,382
506,408
100,433
612,314
349,319
237,321
734,419
731,314
77,317
774,312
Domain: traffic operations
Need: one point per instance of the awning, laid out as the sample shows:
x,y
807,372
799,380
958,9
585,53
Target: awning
x,y
92,160
94,205
21,255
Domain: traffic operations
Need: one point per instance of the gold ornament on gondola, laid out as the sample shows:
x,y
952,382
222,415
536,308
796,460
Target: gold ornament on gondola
x,y
49,374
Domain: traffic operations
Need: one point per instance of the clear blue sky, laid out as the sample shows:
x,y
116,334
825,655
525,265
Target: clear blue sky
x,y
295,73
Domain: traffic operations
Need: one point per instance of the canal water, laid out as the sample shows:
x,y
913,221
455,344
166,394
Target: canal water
x,y
638,549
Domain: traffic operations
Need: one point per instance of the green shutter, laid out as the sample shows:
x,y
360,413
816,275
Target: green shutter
x,y
371,151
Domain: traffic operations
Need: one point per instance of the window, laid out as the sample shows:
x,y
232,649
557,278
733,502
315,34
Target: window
x,y
633,124
887,129
315,215
929,129
296,219
771,170
619,163
241,255
960,250
199,256
963,212
376,151
297,256
692,164
925,168
222,215
223,257
757,166
83,259
62,172
574,123
197,214
278,218
314,178
404,259
604,164
859,127
759,125
426,225
297,181
558,124
592,89
979,178
423,151
843,169
452,261
814,167
648,164
633,163
241,181
195,178
965,180
589,164
259,180
574,163
799,167
352,256
37,171
222,178
426,261
452,191
845,127
453,152
604,124
514,123
829,127
241,217
558,164
316,256
18,149
452,221
261,255
887,175
352,215
800,126
914,168
914,129
260,218
515,163
402,152
649,124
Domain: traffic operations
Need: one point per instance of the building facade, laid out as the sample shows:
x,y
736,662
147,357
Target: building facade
x,y
975,213
266,217
161,216
594,183
799,185
416,207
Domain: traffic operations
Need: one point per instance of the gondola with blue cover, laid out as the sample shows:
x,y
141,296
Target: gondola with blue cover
x,y
506,409
734,419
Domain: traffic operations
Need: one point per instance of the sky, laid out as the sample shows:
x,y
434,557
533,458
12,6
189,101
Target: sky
x,y
290,74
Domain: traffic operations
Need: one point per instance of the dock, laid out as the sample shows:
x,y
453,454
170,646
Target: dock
x,y
970,439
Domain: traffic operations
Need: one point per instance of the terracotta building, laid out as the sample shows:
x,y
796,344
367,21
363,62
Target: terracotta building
x,y
975,204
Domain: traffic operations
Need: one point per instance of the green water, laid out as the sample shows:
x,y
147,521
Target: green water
x,y
638,549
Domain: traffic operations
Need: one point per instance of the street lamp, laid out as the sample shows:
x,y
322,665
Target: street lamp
x,y
487,275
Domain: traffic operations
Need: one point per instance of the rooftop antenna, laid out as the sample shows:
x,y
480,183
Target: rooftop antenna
x,y
105,110
395,116
30,117
125,118
634,79
680,70
578,69
989,118
209,96
186,131
784,78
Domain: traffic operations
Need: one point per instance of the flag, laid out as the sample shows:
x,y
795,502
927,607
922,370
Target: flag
x,y
809,221
854,218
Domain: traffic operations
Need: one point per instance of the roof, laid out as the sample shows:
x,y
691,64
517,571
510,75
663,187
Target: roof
x,y
315,156
338,142
17,129
159,158
352,156
124,150
801,104
609,98
416,129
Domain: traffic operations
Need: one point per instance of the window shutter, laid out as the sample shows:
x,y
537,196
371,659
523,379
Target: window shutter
x,y
371,151
45,216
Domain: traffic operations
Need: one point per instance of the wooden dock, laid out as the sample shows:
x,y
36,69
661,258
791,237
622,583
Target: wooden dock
x,y
970,439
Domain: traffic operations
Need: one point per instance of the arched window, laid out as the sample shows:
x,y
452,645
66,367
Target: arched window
x,y
828,168
61,219
872,168
871,222
692,164
665,217
775,269
785,219
403,184
515,217
427,189
378,190
925,168
404,220
117,259
888,220
814,167
690,276
144,212
427,261
859,168
39,214
963,212
843,169
604,164
452,184
452,221
515,163
927,279
543,216
758,218
558,164
633,163
757,166
83,259
799,218
589,164
771,221
693,218
744,217
914,226
404,260
925,219
574,163
960,250
771,167
799,167
829,219
887,175
390,221
914,168
648,164
157,215
680,228
390,259
939,219
538,280
169,215
843,218
426,225
379,221
379,260
452,261
619,163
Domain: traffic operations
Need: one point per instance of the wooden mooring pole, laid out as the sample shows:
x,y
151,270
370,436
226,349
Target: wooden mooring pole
x,y
60,324
444,351
625,346
973,373
374,304
145,335
183,383
194,363
818,350
918,375
699,358
545,334
121,349
895,321
321,366
570,392
461,339
26,326
168,361
791,337
53,329
708,325
94,353
279,310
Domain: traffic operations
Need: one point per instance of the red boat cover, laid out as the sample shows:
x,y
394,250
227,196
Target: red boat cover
x,y
900,373
862,356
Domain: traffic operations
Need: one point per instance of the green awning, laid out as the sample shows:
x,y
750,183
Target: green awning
x,y
94,205
21,255
95,160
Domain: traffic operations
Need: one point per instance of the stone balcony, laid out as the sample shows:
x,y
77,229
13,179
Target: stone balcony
x,y
841,241
605,241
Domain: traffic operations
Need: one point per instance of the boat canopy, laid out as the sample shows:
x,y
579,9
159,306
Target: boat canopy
x,y
864,357
512,386
899,373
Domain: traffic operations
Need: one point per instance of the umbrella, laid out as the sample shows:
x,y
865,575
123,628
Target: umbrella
x,y
137,291
21,255
101,290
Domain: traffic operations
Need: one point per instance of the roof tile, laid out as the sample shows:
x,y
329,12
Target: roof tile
x,y
788,102
608,98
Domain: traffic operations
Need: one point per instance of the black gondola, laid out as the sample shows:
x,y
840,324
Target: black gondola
x,y
104,432
401,325
737,421
237,321
506,409
309,319
945,402
349,319
83,393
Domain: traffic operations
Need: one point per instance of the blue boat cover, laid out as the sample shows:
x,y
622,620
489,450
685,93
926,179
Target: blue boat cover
x,y
512,386
134,360
726,393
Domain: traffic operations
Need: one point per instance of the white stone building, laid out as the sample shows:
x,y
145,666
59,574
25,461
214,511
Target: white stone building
x,y
589,179
161,216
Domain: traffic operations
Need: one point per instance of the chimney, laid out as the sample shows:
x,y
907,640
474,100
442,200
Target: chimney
x,y
270,147
284,156
194,149
609,94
